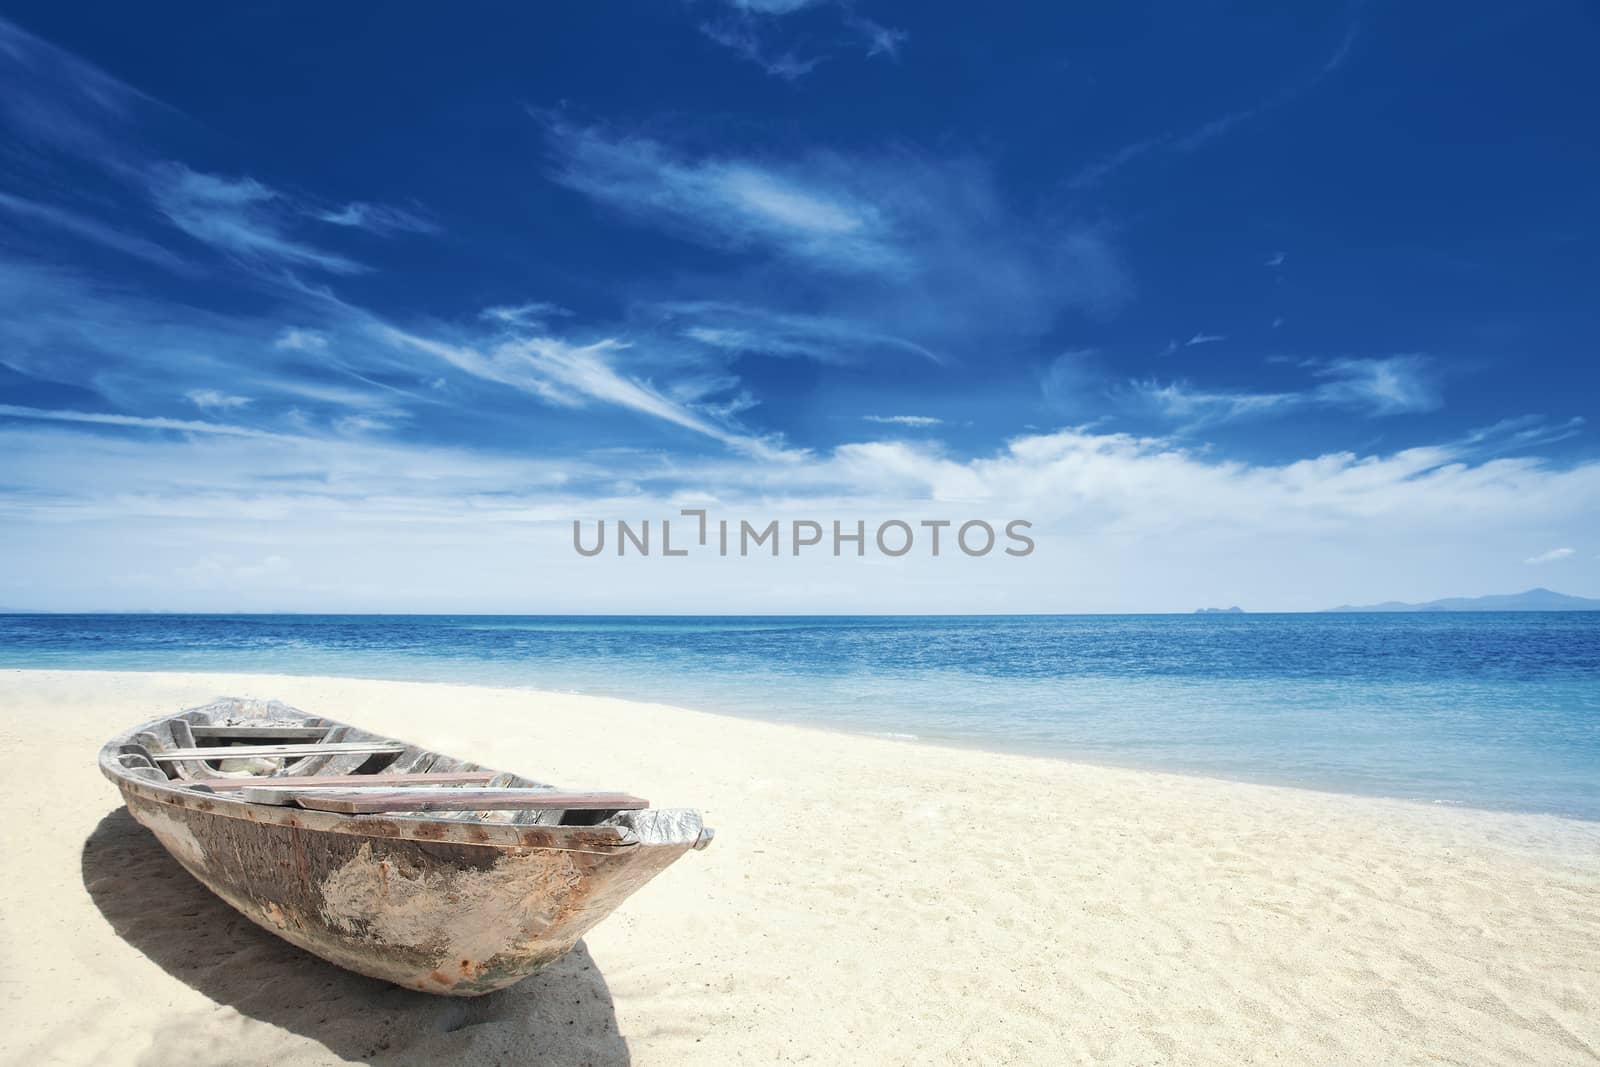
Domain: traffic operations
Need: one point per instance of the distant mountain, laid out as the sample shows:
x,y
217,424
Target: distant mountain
x,y
1532,600
1235,610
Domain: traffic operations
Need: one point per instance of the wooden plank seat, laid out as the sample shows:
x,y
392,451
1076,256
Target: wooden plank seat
x,y
257,733
357,801
253,781
342,748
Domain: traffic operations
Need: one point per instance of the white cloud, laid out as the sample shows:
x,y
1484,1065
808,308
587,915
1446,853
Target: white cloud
x,y
775,7
138,353
215,400
1392,385
1152,483
1389,386
744,36
89,229
884,243
1342,53
1123,522
356,425
1206,132
532,315
295,339
744,328
1200,407
784,205
50,96
816,217
1523,432
378,218
1204,339
905,420
881,40
754,27
376,401
141,422
239,216
1551,556
573,376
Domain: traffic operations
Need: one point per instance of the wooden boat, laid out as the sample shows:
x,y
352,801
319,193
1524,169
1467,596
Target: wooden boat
x,y
403,864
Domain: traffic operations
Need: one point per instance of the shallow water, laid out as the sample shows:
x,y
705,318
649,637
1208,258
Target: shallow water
x,y
1497,710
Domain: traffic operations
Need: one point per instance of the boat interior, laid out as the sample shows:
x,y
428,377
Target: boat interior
x,y
265,752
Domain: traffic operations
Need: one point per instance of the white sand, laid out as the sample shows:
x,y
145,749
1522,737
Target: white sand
x,y
866,901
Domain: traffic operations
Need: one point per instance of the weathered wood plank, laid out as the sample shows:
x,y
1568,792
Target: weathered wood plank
x,y
538,899
343,748
365,801
318,780
283,733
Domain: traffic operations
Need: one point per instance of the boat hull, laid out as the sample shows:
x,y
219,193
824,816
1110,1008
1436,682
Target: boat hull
x,y
441,916
459,903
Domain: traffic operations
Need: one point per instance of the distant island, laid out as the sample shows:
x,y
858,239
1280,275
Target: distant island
x,y
1532,600
1235,610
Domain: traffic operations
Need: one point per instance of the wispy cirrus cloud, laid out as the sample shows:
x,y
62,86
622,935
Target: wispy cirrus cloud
x,y
775,7
1185,402
531,315
573,375
60,106
353,372
238,216
124,349
90,229
884,243
880,39
262,226
1342,52
54,99
744,36
296,339
1523,432
742,328
216,400
757,29
1196,137
1391,385
811,212
140,422
1553,555
378,218
916,421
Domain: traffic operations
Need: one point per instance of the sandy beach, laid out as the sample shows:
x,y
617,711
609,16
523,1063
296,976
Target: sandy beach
x,y
865,901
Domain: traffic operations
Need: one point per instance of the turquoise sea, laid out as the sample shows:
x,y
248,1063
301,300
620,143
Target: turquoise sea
x,y
1494,710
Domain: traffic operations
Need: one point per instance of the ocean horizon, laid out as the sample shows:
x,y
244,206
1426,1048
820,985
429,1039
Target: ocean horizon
x,y
1487,709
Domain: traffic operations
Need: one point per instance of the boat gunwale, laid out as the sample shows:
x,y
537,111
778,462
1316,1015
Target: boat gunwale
x,y
598,838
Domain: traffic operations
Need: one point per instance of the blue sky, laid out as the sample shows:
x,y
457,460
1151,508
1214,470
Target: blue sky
x,y
311,308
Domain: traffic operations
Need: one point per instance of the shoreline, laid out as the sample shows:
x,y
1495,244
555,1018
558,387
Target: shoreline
x,y
998,908
956,744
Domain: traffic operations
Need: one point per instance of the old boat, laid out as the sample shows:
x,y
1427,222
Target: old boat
x,y
383,857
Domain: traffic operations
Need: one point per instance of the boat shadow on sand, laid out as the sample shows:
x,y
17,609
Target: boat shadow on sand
x,y
563,1014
